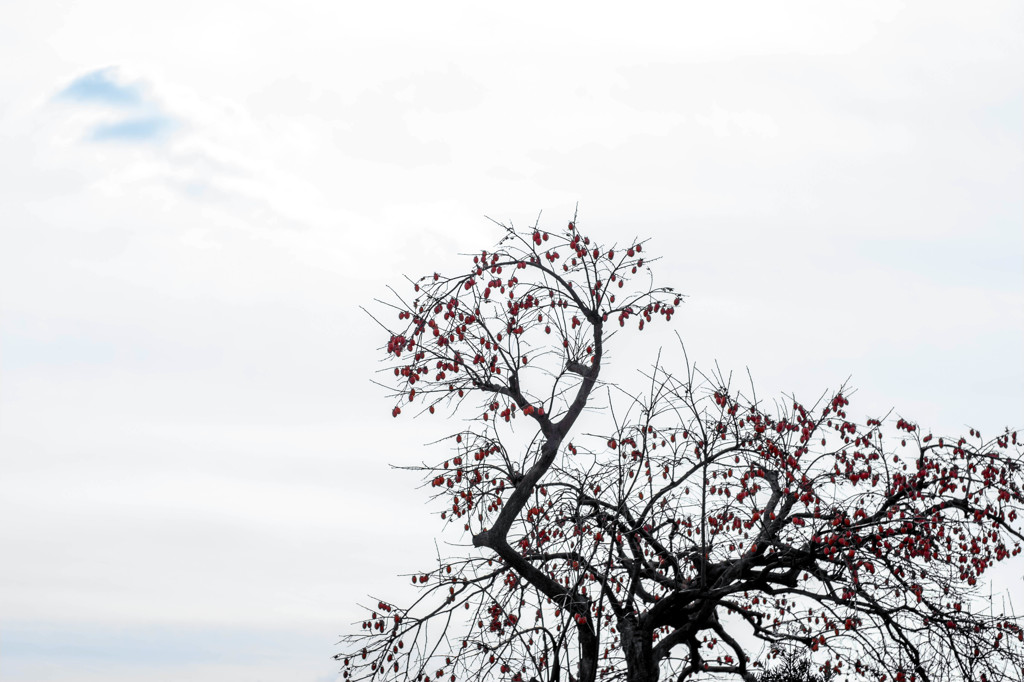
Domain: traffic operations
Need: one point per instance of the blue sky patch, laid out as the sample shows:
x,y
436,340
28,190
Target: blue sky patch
x,y
101,86
141,129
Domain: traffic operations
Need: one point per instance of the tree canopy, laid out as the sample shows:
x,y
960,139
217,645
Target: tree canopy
x,y
696,532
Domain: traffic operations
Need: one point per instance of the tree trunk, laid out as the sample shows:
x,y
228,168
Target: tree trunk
x,y
587,668
636,643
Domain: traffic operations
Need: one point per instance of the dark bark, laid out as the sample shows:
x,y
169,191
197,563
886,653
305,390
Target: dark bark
x,y
636,644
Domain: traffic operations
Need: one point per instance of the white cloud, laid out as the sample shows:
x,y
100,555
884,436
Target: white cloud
x,y
188,434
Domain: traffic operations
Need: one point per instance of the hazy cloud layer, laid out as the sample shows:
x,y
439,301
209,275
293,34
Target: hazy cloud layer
x,y
199,197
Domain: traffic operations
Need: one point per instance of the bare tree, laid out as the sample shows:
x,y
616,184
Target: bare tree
x,y
794,668
698,530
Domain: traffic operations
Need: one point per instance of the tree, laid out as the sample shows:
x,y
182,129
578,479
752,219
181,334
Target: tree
x,y
697,529
793,668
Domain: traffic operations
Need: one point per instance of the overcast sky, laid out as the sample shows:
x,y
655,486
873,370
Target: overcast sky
x,y
196,198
